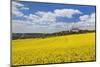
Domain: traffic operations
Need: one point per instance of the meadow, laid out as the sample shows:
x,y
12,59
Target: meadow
x,y
59,49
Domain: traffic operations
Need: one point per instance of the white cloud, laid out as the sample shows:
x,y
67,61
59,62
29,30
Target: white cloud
x,y
15,10
87,22
83,18
36,25
46,17
14,3
93,15
67,12
42,17
16,7
24,8
25,27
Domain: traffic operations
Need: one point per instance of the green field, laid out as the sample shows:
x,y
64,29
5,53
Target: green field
x,y
59,49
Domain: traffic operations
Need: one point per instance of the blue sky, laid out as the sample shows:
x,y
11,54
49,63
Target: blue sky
x,y
49,18
38,6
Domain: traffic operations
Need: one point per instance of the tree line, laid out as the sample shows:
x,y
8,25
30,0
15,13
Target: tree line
x,y
45,35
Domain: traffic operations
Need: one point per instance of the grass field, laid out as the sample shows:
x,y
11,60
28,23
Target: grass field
x,y
59,49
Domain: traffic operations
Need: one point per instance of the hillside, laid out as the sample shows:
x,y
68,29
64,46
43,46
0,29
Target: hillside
x,y
60,49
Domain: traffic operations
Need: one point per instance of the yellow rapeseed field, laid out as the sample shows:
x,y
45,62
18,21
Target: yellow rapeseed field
x,y
59,49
